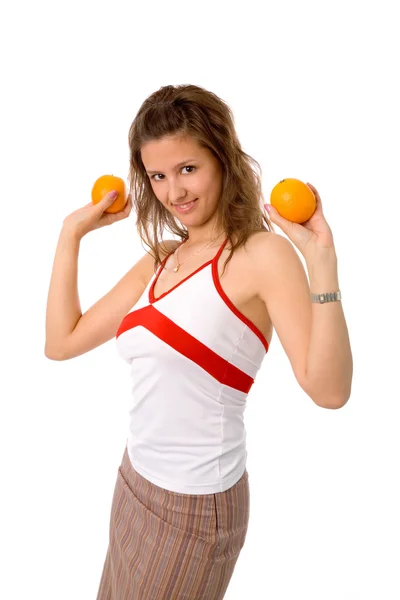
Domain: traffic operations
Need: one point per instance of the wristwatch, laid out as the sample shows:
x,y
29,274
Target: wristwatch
x,y
328,297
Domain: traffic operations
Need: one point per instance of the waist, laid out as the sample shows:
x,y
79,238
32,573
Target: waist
x,y
188,472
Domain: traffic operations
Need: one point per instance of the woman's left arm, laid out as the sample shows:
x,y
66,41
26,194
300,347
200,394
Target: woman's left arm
x,y
315,335
329,363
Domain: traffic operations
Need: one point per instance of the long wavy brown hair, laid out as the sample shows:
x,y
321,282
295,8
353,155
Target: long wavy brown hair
x,y
190,110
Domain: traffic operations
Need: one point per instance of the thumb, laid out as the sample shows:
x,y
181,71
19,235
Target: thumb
x,y
107,199
110,196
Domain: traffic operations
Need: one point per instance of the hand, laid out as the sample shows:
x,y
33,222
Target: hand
x,y
92,216
312,235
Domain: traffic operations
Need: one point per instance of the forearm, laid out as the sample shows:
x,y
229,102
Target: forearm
x,y
329,367
63,306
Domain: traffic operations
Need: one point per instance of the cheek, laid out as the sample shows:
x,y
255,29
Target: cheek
x,y
158,192
215,189
204,188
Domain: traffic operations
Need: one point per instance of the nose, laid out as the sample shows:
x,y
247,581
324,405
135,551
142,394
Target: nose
x,y
176,192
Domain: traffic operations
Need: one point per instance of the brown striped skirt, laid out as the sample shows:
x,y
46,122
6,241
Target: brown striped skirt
x,y
169,546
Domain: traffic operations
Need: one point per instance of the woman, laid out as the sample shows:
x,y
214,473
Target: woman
x,y
194,319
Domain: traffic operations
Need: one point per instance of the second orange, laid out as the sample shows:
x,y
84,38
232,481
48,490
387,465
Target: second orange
x,y
293,200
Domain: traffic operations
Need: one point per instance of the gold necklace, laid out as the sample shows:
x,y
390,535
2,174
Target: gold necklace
x,y
178,265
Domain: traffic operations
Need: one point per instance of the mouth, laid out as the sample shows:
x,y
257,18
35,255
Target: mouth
x,y
183,208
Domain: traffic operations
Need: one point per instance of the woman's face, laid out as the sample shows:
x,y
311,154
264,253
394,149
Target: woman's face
x,y
180,172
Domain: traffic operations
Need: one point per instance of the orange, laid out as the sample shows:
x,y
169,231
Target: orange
x,y
293,200
105,184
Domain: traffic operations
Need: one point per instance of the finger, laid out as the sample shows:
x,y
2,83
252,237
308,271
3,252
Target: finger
x,y
288,227
317,196
314,190
274,215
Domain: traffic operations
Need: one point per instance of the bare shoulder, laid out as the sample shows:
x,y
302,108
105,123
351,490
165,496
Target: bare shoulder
x,y
270,250
264,238
278,266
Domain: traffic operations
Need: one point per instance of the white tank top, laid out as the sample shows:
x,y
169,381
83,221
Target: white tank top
x,y
193,359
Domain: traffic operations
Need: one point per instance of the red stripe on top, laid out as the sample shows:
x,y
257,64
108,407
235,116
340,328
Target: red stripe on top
x,y
187,345
229,303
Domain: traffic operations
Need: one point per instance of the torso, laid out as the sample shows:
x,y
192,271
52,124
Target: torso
x,y
238,281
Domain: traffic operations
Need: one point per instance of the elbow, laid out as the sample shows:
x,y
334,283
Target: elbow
x,y
53,355
332,403
325,398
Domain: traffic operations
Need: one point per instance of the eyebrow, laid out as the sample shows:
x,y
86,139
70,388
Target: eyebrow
x,y
185,162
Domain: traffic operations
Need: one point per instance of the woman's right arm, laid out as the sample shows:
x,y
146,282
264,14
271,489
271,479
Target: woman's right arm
x,y
69,333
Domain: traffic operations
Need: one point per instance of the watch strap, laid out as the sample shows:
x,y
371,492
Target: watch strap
x,y
326,297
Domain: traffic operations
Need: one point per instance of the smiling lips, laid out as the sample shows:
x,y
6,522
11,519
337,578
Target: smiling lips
x,y
185,207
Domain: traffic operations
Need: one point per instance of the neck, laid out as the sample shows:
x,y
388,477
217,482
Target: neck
x,y
198,237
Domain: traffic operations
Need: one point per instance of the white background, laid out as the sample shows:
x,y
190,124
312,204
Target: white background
x,y
313,88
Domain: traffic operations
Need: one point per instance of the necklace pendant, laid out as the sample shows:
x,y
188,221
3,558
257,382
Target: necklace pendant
x,y
175,269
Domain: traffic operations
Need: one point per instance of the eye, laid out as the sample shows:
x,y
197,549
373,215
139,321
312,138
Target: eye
x,y
185,167
189,167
